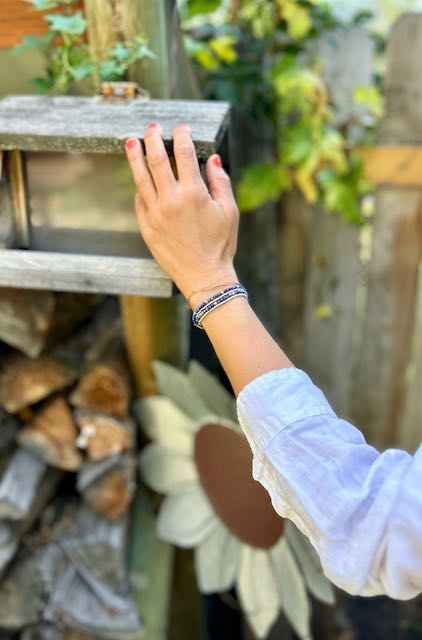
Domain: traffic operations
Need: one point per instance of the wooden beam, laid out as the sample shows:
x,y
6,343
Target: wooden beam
x,y
83,125
83,273
396,164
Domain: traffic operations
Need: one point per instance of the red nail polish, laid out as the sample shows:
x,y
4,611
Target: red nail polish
x,y
217,161
152,125
132,142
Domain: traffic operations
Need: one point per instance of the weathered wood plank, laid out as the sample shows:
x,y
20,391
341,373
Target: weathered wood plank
x,y
19,485
18,19
79,124
333,261
330,307
403,121
83,273
396,254
410,426
398,164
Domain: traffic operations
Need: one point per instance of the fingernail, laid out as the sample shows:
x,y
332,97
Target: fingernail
x,y
132,142
217,161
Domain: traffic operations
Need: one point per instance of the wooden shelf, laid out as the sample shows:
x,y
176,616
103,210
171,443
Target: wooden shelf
x,y
87,260
80,124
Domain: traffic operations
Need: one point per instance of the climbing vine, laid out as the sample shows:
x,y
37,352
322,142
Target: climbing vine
x,y
263,53
69,59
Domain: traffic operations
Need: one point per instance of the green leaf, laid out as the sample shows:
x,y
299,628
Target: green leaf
x,y
42,85
120,51
195,7
83,70
33,42
44,5
261,182
223,46
110,70
75,24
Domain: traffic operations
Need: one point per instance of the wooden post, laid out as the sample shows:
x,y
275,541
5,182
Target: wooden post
x,y
154,328
333,267
390,322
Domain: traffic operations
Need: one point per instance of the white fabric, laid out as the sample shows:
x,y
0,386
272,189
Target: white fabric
x,y
361,509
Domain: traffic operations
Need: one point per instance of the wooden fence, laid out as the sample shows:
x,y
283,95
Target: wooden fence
x,y
350,298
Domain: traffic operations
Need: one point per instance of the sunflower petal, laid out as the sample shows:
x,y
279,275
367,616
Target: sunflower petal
x,y
175,384
291,588
216,561
257,590
162,421
186,518
166,471
215,396
308,560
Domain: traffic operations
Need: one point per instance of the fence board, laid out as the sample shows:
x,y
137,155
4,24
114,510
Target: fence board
x,y
410,428
333,265
397,251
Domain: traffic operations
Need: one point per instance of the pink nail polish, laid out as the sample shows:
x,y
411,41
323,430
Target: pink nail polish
x,y
132,142
217,161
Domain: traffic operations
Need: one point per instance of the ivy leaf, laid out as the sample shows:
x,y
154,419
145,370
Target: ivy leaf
x,y
110,69
260,182
75,24
43,5
83,70
223,46
42,85
143,51
196,7
297,18
120,51
33,42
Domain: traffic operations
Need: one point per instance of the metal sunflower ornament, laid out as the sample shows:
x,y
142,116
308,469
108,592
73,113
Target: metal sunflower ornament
x,y
202,463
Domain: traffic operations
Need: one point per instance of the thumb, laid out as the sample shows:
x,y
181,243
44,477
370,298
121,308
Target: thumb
x,y
219,182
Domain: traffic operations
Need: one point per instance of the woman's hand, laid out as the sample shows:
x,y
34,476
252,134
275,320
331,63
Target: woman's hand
x,y
190,231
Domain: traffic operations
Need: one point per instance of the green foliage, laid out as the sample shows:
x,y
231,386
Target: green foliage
x,y
195,7
69,58
263,61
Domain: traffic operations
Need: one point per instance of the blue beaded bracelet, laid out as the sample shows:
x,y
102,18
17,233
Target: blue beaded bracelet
x,y
217,299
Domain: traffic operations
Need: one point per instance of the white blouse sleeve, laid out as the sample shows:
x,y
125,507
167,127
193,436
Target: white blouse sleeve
x,y
362,510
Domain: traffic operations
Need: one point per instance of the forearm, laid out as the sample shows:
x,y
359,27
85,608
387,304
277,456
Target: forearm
x,y
242,344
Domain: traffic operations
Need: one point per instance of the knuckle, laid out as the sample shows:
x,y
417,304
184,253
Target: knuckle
x,y
184,151
156,158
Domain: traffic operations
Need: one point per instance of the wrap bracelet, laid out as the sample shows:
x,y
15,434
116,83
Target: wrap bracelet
x,y
216,300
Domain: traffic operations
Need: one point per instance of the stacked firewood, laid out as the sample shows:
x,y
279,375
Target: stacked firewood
x,y
67,469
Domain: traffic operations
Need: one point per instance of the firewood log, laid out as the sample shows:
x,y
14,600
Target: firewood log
x,y
102,435
104,387
107,613
97,548
52,436
25,319
19,485
20,593
9,427
107,486
11,532
25,382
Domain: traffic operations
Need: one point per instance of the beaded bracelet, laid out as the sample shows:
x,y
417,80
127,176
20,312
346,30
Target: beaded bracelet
x,y
217,299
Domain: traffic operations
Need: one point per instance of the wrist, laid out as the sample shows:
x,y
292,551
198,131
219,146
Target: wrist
x,y
201,289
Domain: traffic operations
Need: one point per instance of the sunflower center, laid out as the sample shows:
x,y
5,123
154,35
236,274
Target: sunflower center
x,y
224,462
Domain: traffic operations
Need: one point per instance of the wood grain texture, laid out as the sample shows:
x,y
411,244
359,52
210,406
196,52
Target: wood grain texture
x,y
17,19
410,430
79,124
333,262
397,252
393,164
79,273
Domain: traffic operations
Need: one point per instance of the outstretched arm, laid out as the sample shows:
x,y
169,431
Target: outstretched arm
x,y
362,510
